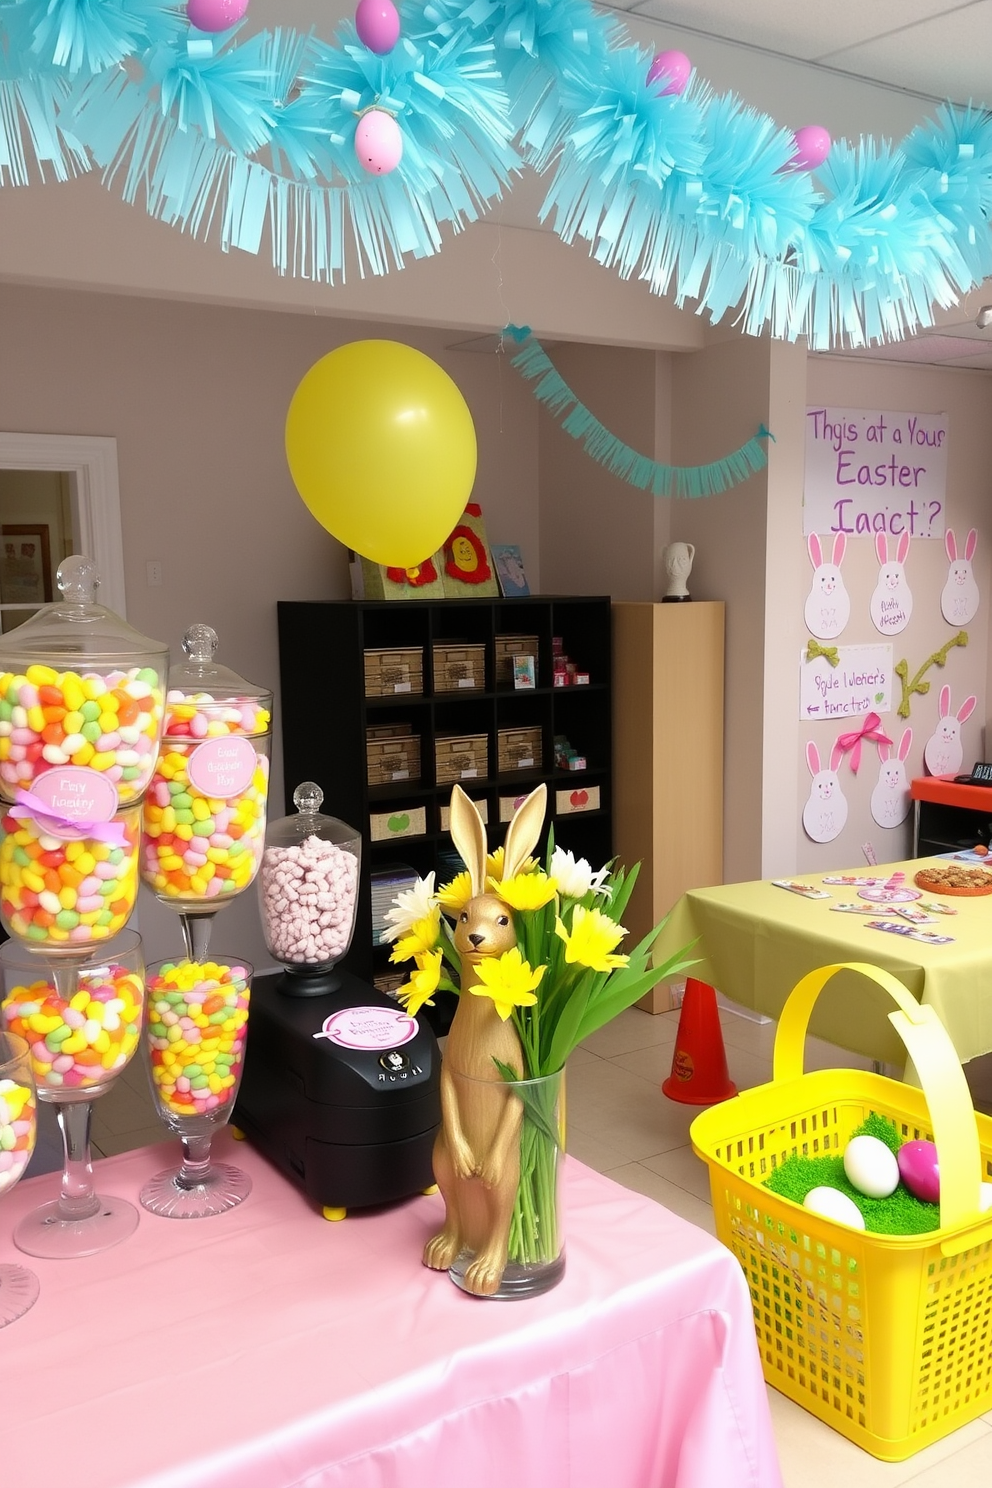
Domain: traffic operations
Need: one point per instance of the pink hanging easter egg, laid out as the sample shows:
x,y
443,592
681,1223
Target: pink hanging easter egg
x,y
378,142
920,1171
215,15
378,25
812,147
671,68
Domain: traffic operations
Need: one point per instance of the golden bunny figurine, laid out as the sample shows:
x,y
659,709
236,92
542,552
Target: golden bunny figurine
x,y
477,1151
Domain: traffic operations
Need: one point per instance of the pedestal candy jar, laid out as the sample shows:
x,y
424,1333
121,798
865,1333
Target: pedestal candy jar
x,y
204,818
308,891
81,706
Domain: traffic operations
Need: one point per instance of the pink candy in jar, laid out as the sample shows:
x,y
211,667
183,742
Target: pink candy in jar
x,y
308,884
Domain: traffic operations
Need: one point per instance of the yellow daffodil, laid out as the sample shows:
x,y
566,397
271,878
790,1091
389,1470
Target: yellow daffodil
x,y
525,890
423,982
509,980
454,896
591,940
421,937
494,864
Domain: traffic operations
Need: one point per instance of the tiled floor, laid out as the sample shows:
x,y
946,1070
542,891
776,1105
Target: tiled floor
x,y
620,1123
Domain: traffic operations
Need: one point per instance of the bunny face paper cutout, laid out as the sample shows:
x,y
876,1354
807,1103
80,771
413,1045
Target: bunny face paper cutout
x,y
825,812
891,800
944,752
891,604
828,604
959,597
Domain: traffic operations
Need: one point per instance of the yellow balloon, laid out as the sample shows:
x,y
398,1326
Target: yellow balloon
x,y
381,446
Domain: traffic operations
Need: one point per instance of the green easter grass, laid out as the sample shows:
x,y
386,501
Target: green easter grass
x,y
899,1214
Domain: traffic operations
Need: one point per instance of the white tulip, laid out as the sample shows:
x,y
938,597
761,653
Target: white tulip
x,y
575,877
411,905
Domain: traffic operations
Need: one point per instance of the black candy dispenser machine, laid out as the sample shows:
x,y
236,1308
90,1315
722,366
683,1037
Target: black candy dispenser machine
x,y
340,1088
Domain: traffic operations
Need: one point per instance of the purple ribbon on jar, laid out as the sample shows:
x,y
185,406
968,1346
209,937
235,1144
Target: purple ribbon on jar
x,y
30,807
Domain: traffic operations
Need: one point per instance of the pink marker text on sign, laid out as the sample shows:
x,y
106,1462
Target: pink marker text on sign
x,y
221,768
871,472
369,1028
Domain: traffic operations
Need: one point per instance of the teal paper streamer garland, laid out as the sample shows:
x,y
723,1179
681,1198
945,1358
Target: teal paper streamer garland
x,y
687,481
241,140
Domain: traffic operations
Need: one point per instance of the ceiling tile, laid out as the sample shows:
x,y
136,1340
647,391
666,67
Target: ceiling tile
x,y
947,56
796,30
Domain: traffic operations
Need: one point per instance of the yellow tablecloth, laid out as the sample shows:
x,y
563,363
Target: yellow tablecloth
x,y
755,941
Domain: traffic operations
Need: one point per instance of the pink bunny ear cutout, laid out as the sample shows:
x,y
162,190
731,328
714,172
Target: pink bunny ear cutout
x,y
814,550
884,750
944,703
950,546
840,548
813,758
881,549
967,708
902,549
836,755
971,543
905,743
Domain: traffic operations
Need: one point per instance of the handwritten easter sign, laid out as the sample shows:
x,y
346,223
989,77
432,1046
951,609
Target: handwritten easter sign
x,y
860,683
869,472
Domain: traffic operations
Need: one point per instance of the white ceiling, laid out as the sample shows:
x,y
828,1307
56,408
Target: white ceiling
x,y
926,49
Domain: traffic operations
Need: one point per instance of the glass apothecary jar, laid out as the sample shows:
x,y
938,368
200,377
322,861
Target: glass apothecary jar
x,y
308,890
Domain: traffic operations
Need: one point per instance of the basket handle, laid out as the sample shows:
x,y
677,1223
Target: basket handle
x,y
948,1098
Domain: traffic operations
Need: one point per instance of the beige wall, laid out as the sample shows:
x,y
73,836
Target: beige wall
x,y
196,398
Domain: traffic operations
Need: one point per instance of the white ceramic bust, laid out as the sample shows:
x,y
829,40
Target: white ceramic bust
x,y
677,558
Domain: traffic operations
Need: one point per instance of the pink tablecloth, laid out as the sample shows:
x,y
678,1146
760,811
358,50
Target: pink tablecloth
x,y
268,1348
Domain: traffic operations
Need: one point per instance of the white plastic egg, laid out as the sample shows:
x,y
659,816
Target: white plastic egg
x,y
871,1167
832,1204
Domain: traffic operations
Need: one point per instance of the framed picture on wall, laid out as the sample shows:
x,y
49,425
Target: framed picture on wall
x,y
25,564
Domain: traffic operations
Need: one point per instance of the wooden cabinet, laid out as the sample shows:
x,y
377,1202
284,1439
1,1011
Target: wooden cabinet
x,y
356,673
667,751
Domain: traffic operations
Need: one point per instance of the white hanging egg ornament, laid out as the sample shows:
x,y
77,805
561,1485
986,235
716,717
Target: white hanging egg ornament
x,y
830,1203
871,1167
378,142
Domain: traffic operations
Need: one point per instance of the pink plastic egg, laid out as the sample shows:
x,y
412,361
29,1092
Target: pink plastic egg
x,y
671,68
920,1171
378,25
215,15
812,147
378,142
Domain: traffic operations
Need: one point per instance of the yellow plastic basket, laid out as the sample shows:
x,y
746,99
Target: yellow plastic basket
x,y
887,1338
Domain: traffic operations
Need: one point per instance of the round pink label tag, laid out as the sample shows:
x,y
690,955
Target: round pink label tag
x,y
222,768
369,1028
72,800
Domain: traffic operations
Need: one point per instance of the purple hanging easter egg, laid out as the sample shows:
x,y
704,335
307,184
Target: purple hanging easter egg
x,y
378,142
378,25
920,1171
215,15
812,147
671,68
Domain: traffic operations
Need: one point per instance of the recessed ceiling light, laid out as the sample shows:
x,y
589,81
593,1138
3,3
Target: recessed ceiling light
x,y
984,318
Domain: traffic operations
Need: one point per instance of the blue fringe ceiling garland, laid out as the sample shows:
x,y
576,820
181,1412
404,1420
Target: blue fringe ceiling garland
x,y
233,139
688,481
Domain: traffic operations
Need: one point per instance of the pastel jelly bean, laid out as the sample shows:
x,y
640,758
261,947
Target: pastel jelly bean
x,y
59,894
197,1024
199,715
197,847
18,1125
82,1040
308,900
109,723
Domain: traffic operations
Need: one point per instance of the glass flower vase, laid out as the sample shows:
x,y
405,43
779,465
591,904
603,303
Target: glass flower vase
x,y
18,1130
535,1239
197,1022
82,1021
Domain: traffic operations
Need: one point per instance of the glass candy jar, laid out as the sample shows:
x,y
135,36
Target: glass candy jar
x,y
203,823
81,697
308,889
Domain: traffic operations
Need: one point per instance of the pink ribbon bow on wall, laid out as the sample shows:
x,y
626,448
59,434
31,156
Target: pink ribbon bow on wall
x,y
870,729
30,807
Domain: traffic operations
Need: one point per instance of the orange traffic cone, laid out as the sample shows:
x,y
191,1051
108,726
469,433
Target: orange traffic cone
x,y
699,1069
